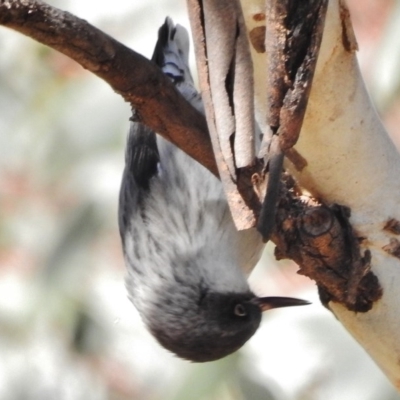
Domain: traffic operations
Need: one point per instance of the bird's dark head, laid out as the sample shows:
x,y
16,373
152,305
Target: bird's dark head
x,y
222,323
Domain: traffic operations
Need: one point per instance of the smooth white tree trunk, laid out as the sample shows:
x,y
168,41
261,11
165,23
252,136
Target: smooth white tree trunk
x,y
352,162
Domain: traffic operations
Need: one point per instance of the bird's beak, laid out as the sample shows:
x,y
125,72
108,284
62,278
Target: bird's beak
x,y
268,303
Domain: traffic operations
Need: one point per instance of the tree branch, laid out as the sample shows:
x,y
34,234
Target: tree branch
x,y
351,161
136,79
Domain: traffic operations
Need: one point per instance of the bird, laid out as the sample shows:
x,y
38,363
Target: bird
x,y
187,265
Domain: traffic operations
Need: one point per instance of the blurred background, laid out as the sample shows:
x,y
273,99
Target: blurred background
x,y
67,329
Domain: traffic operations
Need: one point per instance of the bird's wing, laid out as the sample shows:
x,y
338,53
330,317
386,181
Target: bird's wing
x,y
171,54
141,164
142,157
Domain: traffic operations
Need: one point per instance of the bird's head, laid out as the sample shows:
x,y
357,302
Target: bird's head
x,y
216,325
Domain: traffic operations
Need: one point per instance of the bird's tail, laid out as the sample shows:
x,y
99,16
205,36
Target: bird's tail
x,y
171,54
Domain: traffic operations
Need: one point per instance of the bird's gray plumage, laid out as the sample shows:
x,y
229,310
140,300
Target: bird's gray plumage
x,y
187,263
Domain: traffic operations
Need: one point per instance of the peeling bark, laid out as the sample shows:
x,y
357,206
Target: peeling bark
x,y
292,39
322,242
350,161
226,82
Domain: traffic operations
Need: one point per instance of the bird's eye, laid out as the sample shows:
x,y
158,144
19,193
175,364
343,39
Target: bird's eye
x,y
240,310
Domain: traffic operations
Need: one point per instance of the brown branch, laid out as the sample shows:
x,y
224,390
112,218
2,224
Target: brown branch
x,y
136,79
293,38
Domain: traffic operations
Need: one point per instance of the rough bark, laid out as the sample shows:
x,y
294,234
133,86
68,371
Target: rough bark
x,y
349,160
